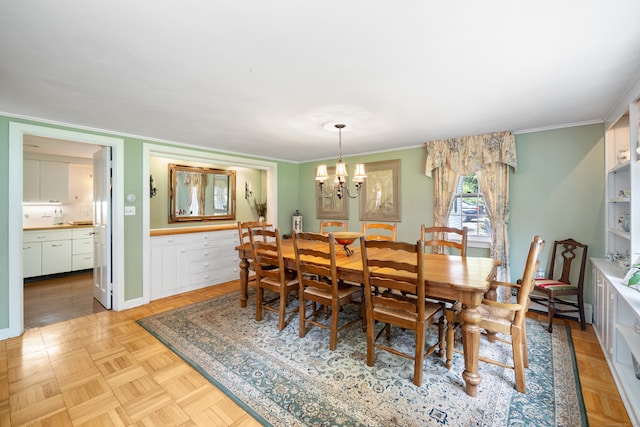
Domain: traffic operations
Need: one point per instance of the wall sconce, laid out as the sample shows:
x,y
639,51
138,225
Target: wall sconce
x,y
247,190
152,186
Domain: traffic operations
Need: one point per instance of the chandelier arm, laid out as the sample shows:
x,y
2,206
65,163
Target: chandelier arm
x,y
358,188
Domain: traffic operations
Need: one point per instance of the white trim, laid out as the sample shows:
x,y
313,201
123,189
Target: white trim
x,y
150,149
16,133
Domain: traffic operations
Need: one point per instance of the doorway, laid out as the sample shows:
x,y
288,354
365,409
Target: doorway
x,y
17,132
50,298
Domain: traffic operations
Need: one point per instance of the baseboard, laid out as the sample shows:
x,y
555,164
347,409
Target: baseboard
x,y
588,311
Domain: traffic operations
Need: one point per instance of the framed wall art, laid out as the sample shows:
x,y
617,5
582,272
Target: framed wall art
x,y
380,197
331,207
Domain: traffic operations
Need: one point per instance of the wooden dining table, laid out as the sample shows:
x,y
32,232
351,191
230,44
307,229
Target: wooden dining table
x,y
447,277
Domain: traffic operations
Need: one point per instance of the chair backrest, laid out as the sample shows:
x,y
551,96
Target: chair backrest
x,y
527,282
243,229
379,231
316,260
398,267
267,254
437,238
327,226
565,252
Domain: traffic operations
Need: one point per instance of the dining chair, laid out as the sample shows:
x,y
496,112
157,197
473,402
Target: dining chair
x,y
379,231
398,267
500,319
319,284
243,237
438,238
271,273
570,281
327,226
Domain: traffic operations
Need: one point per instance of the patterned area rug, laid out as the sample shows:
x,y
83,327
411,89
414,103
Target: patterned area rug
x,y
284,380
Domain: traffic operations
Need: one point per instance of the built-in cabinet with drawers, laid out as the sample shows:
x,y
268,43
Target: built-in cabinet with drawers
x,y
56,251
616,319
187,261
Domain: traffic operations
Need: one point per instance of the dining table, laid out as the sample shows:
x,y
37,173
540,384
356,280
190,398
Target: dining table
x,y
447,277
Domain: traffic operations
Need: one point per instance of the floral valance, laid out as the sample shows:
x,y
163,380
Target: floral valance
x,y
468,154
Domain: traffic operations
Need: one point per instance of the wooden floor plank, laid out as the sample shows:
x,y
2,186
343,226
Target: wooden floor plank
x,y
103,369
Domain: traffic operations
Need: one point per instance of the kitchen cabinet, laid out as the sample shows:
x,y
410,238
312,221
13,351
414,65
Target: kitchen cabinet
x,y
45,181
188,261
52,251
82,249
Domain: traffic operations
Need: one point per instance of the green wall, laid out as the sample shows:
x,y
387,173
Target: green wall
x,y
557,192
4,222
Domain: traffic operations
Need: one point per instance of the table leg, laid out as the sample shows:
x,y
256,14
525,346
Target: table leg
x,y
244,281
471,344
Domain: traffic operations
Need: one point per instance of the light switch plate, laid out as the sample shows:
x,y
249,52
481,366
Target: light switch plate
x,y
129,210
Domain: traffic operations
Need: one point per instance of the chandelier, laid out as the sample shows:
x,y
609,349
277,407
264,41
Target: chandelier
x,y
340,187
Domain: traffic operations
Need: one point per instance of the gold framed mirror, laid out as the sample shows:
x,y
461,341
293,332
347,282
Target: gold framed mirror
x,y
201,194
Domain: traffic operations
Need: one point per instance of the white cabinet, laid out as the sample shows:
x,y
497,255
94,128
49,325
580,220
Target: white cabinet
x,y
32,259
184,262
169,265
56,251
82,249
56,256
45,181
616,323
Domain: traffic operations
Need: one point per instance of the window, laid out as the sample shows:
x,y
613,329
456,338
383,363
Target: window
x,y
469,208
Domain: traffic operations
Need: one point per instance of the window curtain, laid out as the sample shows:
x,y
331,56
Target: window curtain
x,y
489,156
196,183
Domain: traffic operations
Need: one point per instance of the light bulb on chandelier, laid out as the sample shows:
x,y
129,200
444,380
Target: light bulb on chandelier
x,y
340,188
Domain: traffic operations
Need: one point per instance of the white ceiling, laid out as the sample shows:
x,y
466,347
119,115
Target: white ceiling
x,y
266,77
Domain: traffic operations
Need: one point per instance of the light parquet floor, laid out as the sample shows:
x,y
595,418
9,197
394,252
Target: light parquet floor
x,y
103,369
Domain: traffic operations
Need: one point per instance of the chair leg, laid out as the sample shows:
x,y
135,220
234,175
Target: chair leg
x,y
259,297
583,322
302,327
419,357
551,310
525,349
333,339
370,341
518,363
441,332
282,309
450,340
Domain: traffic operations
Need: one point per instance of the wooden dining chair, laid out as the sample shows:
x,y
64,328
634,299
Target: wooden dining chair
x,y
243,237
318,279
398,267
569,281
439,239
509,319
271,273
379,231
327,226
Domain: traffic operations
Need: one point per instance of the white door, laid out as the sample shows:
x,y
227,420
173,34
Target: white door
x,y
102,283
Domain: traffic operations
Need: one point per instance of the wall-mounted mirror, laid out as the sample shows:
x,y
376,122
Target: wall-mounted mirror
x,y
201,194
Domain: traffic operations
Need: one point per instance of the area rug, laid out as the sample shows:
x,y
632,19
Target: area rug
x,y
284,380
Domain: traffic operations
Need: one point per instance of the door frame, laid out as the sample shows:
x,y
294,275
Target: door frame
x,y
16,282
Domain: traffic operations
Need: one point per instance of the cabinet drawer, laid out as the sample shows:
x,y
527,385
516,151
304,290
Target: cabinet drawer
x,y
170,240
82,233
204,254
82,262
201,266
45,235
82,246
204,278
